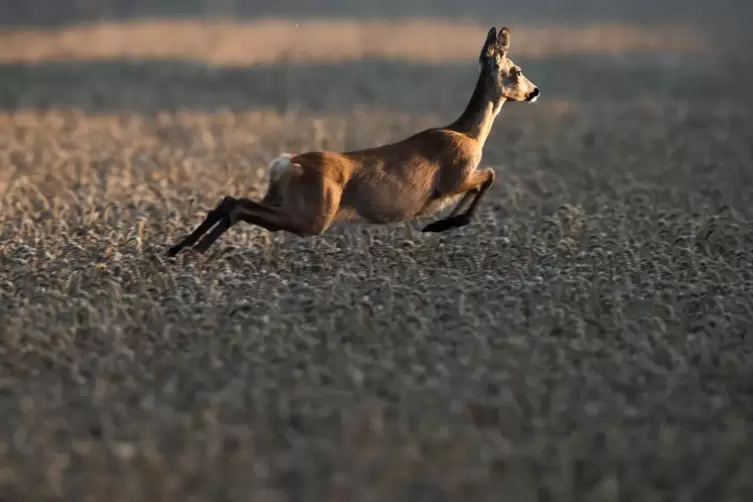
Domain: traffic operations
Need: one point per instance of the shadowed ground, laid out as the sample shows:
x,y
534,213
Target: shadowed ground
x,y
587,338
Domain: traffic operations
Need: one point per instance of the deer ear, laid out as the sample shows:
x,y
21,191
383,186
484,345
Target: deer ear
x,y
503,39
489,46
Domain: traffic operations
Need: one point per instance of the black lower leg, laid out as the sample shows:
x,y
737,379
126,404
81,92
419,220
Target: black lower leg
x,y
463,219
212,218
212,236
480,195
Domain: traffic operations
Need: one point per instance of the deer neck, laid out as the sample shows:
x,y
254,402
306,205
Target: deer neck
x,y
478,117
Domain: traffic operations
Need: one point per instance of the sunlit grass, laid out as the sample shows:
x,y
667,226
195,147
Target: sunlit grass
x,y
242,43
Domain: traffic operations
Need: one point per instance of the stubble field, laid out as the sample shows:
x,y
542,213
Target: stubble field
x,y
589,337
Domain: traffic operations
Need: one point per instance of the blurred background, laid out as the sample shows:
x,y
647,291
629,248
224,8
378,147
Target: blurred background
x,y
118,38
63,12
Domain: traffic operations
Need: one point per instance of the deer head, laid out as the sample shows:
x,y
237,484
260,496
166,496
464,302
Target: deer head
x,y
505,78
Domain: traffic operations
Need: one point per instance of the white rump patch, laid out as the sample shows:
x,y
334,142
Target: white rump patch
x,y
278,166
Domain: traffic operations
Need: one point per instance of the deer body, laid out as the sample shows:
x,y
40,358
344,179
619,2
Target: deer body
x,y
388,184
417,176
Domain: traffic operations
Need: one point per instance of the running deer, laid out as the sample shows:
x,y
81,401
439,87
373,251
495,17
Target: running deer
x,y
397,182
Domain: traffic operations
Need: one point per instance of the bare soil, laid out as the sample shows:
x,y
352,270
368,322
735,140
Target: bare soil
x,y
589,337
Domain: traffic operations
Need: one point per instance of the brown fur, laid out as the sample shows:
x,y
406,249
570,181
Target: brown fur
x,y
397,182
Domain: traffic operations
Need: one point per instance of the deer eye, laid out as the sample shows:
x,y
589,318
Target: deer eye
x,y
516,72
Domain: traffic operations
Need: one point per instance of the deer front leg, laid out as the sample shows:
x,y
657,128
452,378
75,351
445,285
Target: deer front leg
x,y
479,181
462,202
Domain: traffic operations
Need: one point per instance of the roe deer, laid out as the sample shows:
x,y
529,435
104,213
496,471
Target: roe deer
x,y
397,182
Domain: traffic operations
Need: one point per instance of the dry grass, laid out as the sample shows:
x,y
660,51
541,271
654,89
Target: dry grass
x,y
587,338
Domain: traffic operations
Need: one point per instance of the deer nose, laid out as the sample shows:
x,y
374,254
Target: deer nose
x,y
533,95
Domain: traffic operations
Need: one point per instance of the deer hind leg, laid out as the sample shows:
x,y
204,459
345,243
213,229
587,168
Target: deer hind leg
x,y
271,219
215,215
479,182
278,169
220,216
309,209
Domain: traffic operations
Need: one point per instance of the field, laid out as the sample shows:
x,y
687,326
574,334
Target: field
x,y
589,337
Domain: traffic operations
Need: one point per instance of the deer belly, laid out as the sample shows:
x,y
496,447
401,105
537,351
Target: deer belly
x,y
398,210
380,210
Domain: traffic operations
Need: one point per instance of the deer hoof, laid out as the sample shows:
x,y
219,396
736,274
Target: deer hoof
x,y
174,250
441,225
436,226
